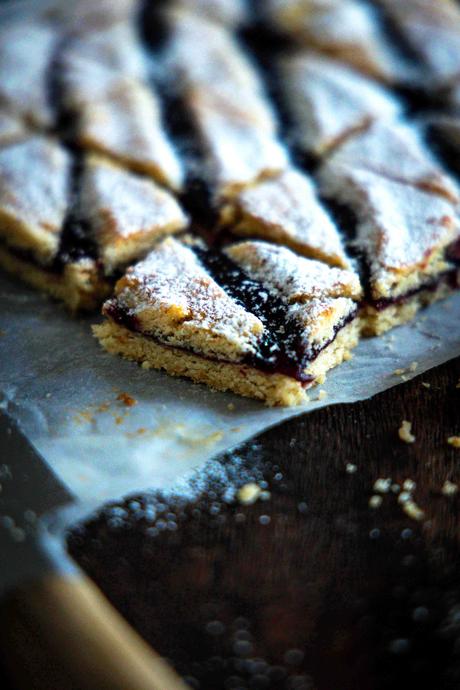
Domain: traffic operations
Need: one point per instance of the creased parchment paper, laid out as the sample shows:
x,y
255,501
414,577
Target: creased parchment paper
x,y
62,389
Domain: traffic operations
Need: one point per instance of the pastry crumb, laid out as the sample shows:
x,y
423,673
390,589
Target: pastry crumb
x,y
375,501
405,432
347,356
409,485
413,366
454,441
426,385
231,406
322,394
350,468
399,372
146,365
126,399
449,488
249,493
382,486
413,511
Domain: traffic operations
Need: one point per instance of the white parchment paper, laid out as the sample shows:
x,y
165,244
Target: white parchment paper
x,y
62,389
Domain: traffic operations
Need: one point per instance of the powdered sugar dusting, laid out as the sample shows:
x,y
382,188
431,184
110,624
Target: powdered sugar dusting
x,y
400,226
34,176
172,292
395,150
287,206
296,278
328,100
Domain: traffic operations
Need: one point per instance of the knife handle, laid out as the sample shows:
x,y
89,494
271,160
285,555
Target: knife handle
x,y
61,633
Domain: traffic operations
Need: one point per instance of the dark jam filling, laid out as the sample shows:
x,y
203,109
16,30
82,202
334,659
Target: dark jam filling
x,y
281,350
76,242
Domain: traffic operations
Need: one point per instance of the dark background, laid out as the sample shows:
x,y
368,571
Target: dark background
x,y
327,592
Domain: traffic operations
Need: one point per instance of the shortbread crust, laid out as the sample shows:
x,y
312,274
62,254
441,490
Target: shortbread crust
x,y
170,312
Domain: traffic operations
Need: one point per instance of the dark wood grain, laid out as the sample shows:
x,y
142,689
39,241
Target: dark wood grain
x,y
327,592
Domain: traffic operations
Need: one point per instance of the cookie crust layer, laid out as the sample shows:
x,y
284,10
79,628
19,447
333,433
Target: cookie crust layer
x,y
273,389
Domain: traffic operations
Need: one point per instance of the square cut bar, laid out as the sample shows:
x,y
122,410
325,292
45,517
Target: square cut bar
x,y
329,102
286,210
67,248
347,30
404,235
255,319
221,90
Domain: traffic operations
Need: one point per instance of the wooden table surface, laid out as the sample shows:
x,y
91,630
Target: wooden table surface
x,y
311,587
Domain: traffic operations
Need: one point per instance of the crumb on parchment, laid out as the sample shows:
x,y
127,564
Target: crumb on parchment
x,y
126,399
405,432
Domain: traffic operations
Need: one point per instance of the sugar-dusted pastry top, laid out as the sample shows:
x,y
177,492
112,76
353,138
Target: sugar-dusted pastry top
x,y
395,150
34,188
88,15
238,152
286,210
127,125
315,294
26,48
126,213
229,12
402,230
296,278
432,29
226,101
171,295
347,30
11,128
202,52
91,62
328,101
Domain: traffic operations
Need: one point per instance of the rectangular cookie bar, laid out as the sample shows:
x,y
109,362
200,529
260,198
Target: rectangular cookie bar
x,y
254,318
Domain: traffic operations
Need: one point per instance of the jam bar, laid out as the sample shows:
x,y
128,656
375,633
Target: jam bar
x,y
404,235
228,109
344,29
328,101
68,226
253,318
105,97
432,31
395,150
286,210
